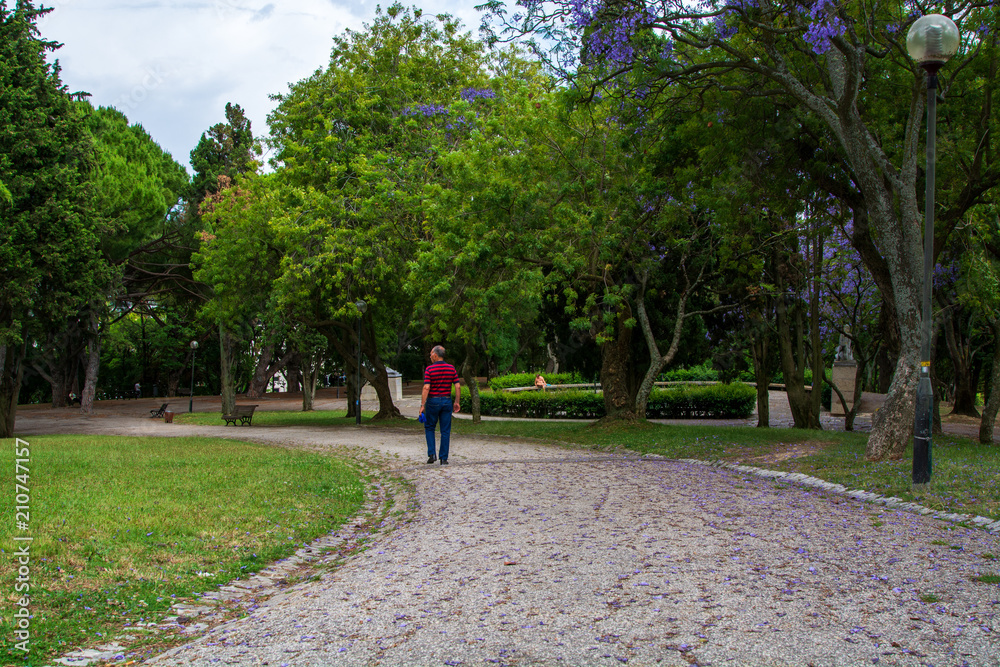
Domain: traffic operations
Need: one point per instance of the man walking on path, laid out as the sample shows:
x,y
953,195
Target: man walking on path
x,y
436,403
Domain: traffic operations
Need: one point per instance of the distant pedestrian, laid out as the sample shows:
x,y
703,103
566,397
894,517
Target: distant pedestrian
x,y
138,390
539,383
436,404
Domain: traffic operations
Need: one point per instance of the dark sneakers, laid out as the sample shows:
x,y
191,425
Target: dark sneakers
x,y
432,459
444,462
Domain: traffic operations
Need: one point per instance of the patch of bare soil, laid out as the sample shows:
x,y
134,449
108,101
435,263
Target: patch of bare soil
x,y
776,454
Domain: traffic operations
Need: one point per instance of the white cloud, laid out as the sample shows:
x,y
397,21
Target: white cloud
x,y
173,65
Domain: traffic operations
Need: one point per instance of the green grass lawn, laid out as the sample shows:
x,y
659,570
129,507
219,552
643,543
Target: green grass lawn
x,y
276,418
124,527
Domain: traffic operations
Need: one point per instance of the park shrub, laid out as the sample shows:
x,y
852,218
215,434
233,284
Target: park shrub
x,y
528,380
714,401
720,401
703,373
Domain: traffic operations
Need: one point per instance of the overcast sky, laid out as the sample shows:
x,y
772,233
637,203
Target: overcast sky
x,y
172,65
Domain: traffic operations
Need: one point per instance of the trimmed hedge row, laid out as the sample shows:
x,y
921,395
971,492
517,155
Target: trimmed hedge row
x,y
732,401
720,401
694,374
528,380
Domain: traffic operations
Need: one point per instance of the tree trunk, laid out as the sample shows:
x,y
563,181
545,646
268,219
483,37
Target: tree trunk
x,y
59,381
962,363
552,361
294,377
616,357
350,384
93,364
379,380
174,376
762,376
56,357
901,241
657,362
11,372
258,383
760,351
859,387
993,400
819,372
468,375
793,355
227,358
379,376
310,372
888,354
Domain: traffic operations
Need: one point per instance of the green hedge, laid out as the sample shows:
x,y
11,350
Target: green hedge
x,y
528,380
702,373
716,401
720,401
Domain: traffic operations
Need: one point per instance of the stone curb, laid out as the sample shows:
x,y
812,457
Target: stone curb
x,y
891,502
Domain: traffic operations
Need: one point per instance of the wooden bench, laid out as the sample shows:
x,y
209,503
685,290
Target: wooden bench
x,y
242,414
158,412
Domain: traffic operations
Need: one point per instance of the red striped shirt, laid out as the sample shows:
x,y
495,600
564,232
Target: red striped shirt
x,y
440,376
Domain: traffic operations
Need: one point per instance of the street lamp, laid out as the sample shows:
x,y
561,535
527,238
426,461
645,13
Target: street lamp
x,y
362,307
194,353
931,41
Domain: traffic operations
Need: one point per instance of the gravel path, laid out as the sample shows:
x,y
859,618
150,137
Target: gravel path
x,y
521,554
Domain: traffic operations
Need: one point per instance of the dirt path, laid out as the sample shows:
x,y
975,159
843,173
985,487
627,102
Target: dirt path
x,y
522,554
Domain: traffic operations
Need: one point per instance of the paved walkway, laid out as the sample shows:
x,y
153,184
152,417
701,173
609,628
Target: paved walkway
x,y
521,554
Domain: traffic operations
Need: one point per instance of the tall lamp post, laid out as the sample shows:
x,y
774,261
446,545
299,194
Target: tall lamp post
x,y
362,307
931,41
194,353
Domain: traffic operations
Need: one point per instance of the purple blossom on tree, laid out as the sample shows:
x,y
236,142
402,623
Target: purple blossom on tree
x,y
826,25
472,94
725,29
426,110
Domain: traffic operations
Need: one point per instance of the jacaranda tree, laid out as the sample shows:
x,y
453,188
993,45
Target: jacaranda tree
x,y
842,63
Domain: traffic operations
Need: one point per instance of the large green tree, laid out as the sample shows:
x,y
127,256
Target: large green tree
x,y
239,260
359,140
477,280
50,262
136,184
226,149
224,153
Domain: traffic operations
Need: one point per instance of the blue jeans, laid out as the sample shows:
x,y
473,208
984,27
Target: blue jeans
x,y
438,409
